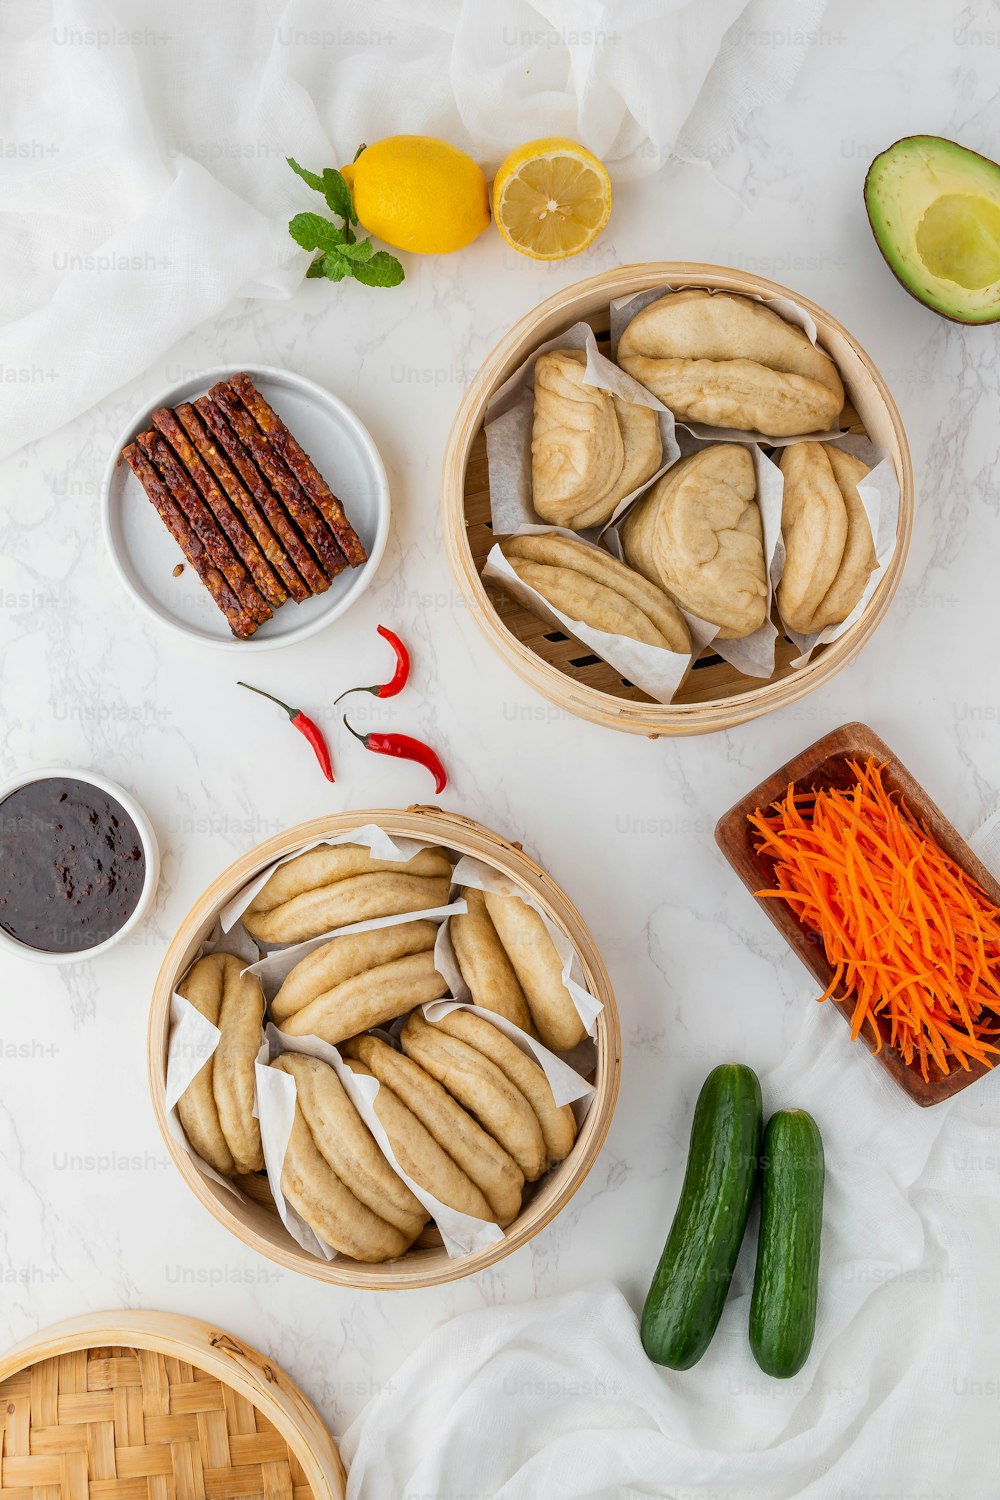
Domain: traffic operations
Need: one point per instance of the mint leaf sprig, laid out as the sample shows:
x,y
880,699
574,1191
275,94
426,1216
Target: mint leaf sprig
x,y
341,253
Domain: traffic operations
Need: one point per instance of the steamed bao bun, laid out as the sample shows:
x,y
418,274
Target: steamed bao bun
x,y
698,535
728,361
589,449
589,585
829,551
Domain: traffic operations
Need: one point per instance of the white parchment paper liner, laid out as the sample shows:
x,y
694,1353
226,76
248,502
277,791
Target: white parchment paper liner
x,y
624,309
370,835
461,1233
879,494
658,672
509,418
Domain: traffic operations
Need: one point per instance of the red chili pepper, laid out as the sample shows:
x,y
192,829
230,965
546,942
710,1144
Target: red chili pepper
x,y
407,748
306,727
400,676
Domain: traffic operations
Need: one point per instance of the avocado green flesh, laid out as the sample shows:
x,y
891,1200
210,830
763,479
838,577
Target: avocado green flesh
x,y
958,239
934,209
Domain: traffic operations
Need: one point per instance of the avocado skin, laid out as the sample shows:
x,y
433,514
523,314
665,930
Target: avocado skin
x,y
869,194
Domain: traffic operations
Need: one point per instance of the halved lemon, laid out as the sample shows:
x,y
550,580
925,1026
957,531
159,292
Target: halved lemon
x,y
551,198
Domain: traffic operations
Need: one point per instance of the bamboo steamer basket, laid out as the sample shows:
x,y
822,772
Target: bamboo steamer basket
x,y
715,695
257,1224
155,1406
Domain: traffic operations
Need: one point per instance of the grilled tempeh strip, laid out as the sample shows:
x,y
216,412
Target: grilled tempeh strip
x,y
242,501
268,501
240,538
302,467
315,530
205,525
177,524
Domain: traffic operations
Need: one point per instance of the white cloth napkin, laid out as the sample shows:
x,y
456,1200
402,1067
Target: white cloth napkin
x,y
144,184
898,1398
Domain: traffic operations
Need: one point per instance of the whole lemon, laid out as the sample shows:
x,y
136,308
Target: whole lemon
x,y
418,193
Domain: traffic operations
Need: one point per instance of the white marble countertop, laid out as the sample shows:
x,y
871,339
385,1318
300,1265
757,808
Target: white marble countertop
x,y
94,1215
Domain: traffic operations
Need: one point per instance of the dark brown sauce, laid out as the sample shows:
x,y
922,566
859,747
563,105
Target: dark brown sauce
x,y
72,865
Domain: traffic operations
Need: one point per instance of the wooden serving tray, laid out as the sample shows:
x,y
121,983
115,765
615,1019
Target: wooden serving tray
x,y
824,764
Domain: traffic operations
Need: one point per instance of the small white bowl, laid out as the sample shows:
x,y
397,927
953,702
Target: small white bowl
x,y
150,849
144,554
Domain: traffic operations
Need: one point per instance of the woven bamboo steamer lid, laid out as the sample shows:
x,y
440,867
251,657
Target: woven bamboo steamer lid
x,y
156,1406
715,696
257,1224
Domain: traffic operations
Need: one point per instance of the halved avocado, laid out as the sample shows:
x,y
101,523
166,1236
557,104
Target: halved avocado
x,y
934,209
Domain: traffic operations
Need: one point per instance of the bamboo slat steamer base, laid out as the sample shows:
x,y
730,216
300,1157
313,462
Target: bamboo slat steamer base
x,y
714,695
427,1263
155,1406
824,764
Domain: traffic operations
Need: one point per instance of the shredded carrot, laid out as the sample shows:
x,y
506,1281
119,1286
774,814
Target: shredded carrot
x,y
912,940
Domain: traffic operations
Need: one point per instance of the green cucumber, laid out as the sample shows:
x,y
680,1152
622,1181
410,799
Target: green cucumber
x,y
689,1287
786,1281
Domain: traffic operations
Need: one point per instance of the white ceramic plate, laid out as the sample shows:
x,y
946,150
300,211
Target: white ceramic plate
x,y
145,554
